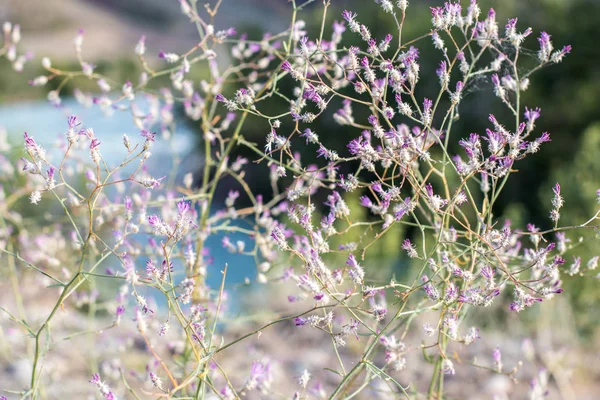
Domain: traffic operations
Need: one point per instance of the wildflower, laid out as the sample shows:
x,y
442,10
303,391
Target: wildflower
x,y
456,96
451,324
531,115
435,201
443,75
35,197
427,117
226,33
311,137
350,18
330,155
46,63
141,301
402,5
379,312
39,81
574,268
78,40
279,238
304,378
88,69
430,290
260,375
140,47
385,43
394,352
287,67
168,57
448,367
156,381
498,88
472,335
119,313
229,104
152,183
592,264
497,355
429,330
403,107
102,387
558,56
410,249
32,147
523,300
356,272
557,203
369,74
94,151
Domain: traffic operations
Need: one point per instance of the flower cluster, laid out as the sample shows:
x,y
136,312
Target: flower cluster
x,y
396,170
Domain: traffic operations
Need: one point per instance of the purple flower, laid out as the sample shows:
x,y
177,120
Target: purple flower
x,y
441,71
511,24
355,146
149,136
120,310
102,387
365,201
50,173
427,104
339,27
488,272
286,66
429,189
496,80
365,62
94,143
351,262
348,15
497,359
532,115
153,220
430,290
73,122
322,151
437,12
544,39
556,189
183,207
30,143
545,137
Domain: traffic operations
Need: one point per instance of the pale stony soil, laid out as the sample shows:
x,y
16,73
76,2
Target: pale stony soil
x,y
69,363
